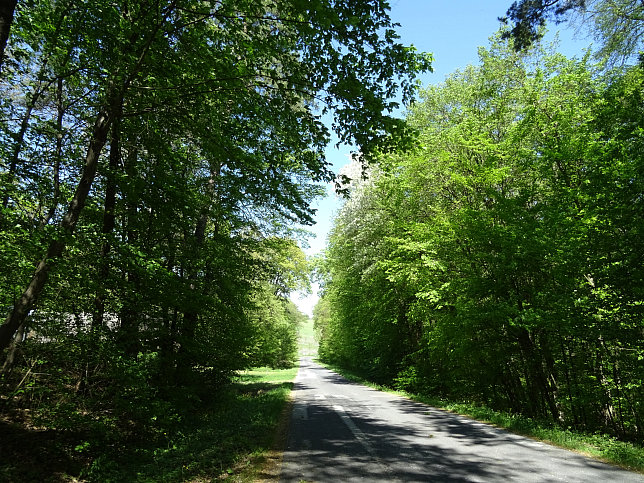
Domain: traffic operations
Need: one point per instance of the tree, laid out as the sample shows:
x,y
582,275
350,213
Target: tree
x,y
495,257
233,83
528,16
617,25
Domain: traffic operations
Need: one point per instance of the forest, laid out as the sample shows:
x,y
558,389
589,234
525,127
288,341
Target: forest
x,y
500,261
158,160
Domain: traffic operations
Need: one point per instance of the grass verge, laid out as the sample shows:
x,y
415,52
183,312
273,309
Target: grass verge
x,y
599,446
234,439
235,435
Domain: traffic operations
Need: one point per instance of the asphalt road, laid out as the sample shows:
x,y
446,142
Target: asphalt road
x,y
341,431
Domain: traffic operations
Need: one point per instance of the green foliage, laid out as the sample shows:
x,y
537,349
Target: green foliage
x,y
276,321
155,165
499,262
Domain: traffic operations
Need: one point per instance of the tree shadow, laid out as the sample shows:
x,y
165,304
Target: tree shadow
x,y
347,436
32,454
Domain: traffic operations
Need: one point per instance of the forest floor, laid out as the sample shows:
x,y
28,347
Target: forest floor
x,y
237,435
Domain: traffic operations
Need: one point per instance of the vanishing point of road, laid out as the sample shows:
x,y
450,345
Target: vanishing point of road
x,y
341,431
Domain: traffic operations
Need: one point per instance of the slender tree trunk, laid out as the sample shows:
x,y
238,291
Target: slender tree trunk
x,y
608,410
13,350
567,365
191,317
38,91
538,382
109,218
18,145
128,335
7,7
58,155
29,297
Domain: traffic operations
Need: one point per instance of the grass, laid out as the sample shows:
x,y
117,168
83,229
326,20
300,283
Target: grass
x,y
599,446
237,434
233,439
308,346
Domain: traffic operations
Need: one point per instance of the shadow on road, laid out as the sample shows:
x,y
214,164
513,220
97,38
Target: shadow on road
x,y
389,438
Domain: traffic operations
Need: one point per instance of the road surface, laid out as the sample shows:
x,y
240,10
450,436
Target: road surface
x,y
341,431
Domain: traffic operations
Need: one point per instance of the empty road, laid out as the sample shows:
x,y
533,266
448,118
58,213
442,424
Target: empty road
x,y
341,431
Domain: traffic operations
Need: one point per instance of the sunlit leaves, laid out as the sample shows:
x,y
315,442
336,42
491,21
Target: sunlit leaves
x,y
503,249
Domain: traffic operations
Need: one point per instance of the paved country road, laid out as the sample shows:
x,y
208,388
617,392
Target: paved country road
x,y
341,431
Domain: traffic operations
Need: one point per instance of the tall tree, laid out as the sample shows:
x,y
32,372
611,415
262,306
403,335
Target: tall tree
x,y
498,251
226,96
617,25
528,16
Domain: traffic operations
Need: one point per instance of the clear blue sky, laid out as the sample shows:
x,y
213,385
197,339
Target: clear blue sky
x,y
452,31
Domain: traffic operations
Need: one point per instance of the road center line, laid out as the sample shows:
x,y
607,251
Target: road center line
x,y
362,439
357,432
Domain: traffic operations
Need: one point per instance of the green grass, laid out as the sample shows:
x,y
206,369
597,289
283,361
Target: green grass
x,y
233,437
236,432
599,446
308,346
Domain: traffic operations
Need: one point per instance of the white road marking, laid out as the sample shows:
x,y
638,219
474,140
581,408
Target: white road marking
x,y
361,437
357,432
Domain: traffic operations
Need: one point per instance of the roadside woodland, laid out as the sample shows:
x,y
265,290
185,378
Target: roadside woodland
x,y
157,164
500,261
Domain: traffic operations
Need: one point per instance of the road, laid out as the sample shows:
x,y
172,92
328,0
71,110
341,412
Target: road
x,y
341,431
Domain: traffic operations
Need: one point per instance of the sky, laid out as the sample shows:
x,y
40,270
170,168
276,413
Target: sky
x,y
452,30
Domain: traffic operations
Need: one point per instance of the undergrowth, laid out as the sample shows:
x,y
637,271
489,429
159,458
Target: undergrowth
x,y
227,433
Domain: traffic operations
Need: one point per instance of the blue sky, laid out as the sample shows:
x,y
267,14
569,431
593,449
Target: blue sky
x,y
452,31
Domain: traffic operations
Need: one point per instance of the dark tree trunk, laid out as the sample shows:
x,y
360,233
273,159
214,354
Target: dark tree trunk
x,y
29,297
109,218
13,350
191,317
128,335
7,7
540,389
59,154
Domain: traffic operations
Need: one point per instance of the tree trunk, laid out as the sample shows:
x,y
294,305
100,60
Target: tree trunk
x,y
19,143
13,349
59,154
538,382
128,335
7,7
191,317
29,297
109,218
40,88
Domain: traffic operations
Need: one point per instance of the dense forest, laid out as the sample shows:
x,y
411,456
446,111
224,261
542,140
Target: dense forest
x,y
500,261
157,164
